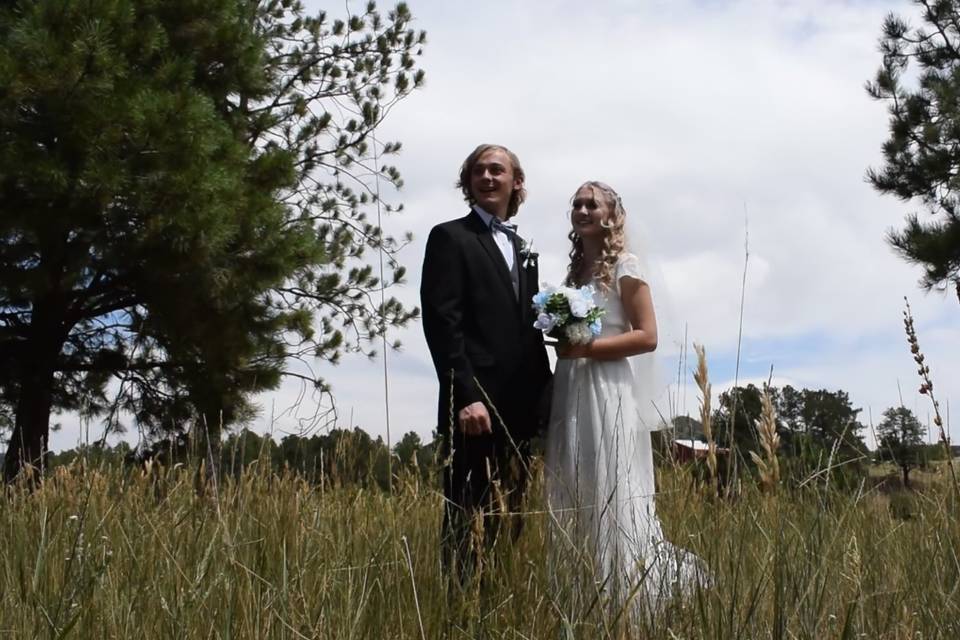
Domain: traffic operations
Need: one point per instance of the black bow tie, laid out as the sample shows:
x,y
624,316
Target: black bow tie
x,y
506,227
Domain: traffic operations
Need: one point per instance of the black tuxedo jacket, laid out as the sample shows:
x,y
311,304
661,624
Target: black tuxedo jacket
x,y
479,333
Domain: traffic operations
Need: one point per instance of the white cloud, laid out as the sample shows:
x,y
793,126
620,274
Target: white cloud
x,y
703,115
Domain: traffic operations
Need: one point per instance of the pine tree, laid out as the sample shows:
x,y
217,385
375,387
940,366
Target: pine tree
x,y
922,154
182,190
901,439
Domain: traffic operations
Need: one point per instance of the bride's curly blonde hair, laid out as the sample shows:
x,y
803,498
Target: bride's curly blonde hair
x,y
614,241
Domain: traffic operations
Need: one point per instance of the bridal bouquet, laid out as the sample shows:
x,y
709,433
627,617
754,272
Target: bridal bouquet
x,y
568,314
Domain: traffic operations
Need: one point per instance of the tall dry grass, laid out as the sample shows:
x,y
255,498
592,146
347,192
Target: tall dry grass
x,y
768,465
98,553
701,376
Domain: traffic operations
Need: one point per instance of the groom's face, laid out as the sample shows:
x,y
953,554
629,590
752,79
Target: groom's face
x,y
492,182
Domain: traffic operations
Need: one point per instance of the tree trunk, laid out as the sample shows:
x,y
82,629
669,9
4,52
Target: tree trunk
x,y
906,477
28,444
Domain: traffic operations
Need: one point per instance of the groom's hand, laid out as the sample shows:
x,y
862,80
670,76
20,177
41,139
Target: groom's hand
x,y
474,419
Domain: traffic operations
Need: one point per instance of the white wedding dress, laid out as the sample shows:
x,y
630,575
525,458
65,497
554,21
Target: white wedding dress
x,y
599,468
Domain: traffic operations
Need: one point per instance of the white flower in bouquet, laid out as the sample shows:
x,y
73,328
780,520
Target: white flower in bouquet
x,y
578,333
567,314
581,300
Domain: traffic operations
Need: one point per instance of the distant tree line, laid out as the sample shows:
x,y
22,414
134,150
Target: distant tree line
x,y
818,429
819,432
336,458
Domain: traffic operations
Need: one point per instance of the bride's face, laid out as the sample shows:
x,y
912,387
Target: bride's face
x,y
590,211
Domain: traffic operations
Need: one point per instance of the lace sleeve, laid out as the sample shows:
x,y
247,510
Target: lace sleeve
x,y
629,267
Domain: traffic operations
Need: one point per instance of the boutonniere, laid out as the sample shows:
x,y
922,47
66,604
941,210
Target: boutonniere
x,y
527,254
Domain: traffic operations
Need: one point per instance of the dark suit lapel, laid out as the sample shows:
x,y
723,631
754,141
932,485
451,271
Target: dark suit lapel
x,y
524,295
485,237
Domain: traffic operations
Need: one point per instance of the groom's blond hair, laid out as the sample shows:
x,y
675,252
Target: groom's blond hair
x,y
518,195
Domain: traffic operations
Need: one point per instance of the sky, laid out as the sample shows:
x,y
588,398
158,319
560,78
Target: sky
x,y
738,131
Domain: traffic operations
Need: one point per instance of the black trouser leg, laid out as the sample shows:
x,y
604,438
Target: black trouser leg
x,y
484,482
467,493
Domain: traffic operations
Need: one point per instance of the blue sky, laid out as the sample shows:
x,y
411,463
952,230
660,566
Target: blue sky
x,y
713,120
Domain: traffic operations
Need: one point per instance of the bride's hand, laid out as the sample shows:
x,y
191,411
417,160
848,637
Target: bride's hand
x,y
567,350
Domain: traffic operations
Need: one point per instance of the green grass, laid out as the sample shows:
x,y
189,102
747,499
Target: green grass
x,y
111,554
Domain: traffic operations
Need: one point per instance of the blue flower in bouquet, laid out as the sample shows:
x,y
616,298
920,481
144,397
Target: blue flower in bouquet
x,y
595,327
545,322
540,300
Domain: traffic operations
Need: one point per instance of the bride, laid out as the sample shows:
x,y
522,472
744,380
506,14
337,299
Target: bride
x,y
599,461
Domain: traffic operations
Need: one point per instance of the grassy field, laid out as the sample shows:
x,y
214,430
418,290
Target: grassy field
x,y
112,554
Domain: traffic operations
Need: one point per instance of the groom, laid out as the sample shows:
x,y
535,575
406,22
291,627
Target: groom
x,y
478,280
